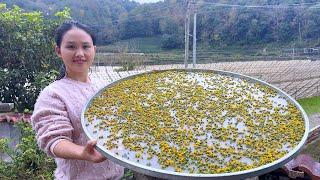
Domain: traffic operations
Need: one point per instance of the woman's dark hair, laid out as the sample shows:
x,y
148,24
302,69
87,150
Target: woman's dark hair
x,y
61,31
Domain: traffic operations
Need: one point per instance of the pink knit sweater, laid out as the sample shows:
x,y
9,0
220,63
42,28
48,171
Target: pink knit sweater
x,y
56,117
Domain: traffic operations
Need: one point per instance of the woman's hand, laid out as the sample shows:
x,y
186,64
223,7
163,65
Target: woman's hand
x,y
89,153
68,150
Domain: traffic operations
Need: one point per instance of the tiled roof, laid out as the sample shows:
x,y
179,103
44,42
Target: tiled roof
x,y
14,117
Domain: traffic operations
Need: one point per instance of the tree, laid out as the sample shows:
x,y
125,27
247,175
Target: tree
x,y
172,41
28,62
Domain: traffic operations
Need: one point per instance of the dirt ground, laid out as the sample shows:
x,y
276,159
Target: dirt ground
x,y
314,147
314,120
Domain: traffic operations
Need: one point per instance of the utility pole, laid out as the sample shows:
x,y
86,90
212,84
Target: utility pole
x,y
300,18
194,48
293,51
186,35
191,4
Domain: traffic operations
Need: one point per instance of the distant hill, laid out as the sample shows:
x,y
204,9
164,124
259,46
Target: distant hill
x,y
102,15
113,19
219,22
95,12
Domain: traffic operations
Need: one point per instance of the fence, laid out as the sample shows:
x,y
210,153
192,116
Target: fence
x,y
298,78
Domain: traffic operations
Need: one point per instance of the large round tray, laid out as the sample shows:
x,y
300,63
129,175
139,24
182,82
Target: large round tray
x,y
155,172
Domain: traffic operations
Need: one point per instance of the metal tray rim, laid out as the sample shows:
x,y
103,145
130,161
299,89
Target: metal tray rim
x,y
176,175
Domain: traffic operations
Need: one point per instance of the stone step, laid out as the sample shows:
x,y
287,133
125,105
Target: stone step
x,y
6,107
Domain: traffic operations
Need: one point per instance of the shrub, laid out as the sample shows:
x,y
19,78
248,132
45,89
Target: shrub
x,y
27,58
28,161
171,41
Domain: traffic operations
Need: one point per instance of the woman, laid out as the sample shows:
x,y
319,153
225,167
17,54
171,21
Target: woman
x,y
56,116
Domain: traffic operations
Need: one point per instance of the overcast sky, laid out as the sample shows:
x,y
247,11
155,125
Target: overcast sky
x,y
147,1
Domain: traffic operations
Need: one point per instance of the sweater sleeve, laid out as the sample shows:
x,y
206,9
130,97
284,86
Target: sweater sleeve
x,y
50,121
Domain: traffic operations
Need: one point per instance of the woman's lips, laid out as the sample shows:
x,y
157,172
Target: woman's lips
x,y
79,61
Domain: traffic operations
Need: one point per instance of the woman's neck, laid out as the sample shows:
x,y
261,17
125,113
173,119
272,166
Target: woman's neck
x,y
82,77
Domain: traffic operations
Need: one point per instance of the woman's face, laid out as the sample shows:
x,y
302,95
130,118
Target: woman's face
x,y
76,51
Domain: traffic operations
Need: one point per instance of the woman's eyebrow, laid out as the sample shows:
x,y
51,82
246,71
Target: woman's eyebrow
x,y
73,42
70,42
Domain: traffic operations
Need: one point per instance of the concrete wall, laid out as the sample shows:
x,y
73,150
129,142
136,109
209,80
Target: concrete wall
x,y
8,130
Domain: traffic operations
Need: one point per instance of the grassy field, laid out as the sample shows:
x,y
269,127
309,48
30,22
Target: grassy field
x,y
310,105
206,53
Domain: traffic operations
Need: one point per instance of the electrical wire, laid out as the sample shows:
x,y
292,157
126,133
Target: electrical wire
x,y
281,6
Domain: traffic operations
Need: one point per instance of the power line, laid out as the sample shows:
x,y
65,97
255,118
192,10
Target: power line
x,y
204,10
295,4
262,6
198,6
186,34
